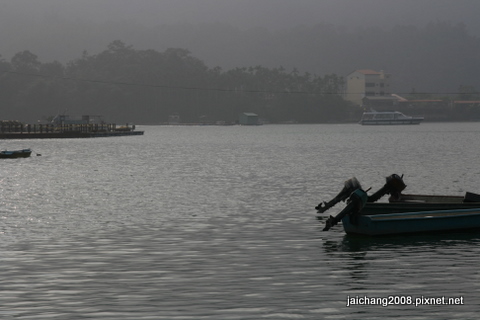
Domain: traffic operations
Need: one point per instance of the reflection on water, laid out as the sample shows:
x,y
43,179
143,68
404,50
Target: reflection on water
x,y
432,241
219,223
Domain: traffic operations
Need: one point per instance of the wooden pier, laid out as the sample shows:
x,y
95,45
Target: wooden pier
x,y
16,130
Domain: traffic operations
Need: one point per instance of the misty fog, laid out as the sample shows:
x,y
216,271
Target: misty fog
x,y
62,29
427,45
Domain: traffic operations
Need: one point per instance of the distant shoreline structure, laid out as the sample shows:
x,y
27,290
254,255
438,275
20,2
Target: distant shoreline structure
x,y
66,135
18,130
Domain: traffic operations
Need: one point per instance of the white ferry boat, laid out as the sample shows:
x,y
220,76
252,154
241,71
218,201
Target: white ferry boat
x,y
387,118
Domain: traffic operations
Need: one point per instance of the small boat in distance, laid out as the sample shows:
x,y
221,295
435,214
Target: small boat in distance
x,y
23,153
388,118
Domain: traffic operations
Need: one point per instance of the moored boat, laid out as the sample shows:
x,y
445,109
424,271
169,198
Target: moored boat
x,y
23,153
399,202
355,222
413,222
388,118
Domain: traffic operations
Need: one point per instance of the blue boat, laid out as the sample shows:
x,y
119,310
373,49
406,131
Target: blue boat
x,y
23,153
356,222
413,222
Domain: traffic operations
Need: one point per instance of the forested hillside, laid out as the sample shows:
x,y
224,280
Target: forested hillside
x,y
437,56
146,86
215,71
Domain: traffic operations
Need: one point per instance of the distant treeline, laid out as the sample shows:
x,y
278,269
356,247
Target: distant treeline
x,y
147,86
439,61
435,57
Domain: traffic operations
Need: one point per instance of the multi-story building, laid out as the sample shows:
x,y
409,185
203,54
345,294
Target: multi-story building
x,y
366,83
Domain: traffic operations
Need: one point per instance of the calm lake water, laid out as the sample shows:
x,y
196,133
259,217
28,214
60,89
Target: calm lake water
x,y
219,223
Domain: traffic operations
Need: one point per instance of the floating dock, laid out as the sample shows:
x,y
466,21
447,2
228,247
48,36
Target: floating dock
x,y
50,131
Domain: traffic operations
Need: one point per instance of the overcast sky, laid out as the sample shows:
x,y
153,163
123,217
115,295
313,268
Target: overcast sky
x,y
62,29
249,13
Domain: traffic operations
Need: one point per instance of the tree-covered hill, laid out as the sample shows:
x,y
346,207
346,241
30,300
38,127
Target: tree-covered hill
x,y
146,86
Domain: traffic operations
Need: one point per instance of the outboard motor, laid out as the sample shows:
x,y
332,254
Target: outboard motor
x,y
471,197
350,186
356,202
394,186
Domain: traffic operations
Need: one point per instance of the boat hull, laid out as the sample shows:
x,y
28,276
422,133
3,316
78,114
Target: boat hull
x,y
386,208
391,122
25,153
388,118
413,222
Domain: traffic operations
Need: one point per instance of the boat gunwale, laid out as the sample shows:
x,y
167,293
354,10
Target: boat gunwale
x,y
437,214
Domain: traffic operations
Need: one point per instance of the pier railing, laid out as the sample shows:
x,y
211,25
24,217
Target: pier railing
x,y
16,130
63,128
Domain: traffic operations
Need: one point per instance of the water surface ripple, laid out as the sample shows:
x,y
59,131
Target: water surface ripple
x,y
218,223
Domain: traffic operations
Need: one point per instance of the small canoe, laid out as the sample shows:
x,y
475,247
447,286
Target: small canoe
x,y
23,153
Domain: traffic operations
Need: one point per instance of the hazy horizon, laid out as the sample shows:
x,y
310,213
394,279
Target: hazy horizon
x,y
273,14
26,24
